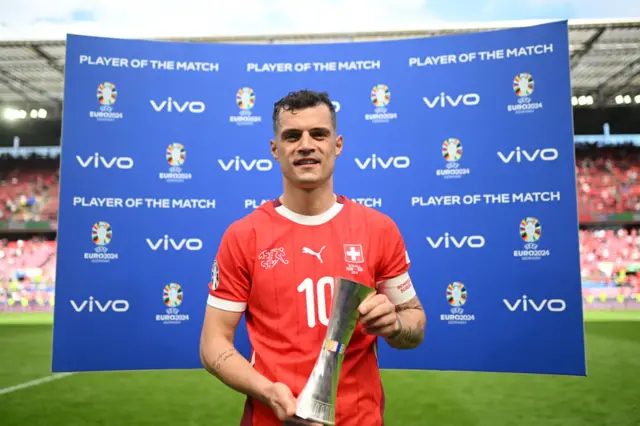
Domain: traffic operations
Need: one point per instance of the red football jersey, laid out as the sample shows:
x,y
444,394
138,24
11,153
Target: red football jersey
x,y
279,267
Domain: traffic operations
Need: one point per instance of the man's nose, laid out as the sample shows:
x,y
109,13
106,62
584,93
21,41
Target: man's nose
x,y
305,143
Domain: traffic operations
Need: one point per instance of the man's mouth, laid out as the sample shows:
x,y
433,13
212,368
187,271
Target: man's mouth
x,y
306,162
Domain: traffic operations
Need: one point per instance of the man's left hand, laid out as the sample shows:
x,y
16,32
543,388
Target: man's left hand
x,y
378,316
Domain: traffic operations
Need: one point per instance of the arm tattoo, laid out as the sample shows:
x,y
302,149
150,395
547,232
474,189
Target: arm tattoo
x,y
407,336
222,358
414,303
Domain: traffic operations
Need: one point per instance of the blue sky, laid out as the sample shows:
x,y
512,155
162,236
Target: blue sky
x,y
48,19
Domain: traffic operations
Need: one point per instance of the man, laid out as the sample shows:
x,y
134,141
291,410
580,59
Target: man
x,y
278,265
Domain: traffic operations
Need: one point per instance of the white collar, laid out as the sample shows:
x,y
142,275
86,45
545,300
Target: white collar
x,y
310,220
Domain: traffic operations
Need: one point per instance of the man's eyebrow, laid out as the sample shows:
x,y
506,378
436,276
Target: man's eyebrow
x,y
293,130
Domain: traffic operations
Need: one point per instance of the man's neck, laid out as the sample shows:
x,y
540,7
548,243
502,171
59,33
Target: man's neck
x,y
308,202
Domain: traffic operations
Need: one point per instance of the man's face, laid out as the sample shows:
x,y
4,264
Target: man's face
x,y
306,146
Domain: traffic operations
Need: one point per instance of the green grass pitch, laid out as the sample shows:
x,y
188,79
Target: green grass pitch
x,y
610,395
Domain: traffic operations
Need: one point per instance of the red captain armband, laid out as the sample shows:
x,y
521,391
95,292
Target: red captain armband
x,y
398,289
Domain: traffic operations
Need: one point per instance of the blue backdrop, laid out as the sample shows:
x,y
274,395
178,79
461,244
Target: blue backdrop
x,y
465,141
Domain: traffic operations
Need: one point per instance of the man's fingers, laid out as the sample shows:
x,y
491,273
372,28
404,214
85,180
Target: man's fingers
x,y
289,404
286,401
379,331
367,304
385,321
376,313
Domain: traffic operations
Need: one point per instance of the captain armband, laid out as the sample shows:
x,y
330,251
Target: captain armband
x,y
399,289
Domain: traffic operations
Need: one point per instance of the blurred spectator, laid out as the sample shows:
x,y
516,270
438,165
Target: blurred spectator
x,y
607,178
610,256
27,274
29,188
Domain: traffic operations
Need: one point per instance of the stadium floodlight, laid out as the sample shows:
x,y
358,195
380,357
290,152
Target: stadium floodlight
x,y
14,114
637,99
38,113
574,100
627,99
619,99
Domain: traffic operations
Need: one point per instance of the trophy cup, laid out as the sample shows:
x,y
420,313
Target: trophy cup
x,y
317,401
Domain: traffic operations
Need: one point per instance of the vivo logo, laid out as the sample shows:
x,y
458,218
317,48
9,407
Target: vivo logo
x,y
443,100
519,155
92,305
524,304
169,105
96,161
336,105
239,164
449,241
167,243
375,162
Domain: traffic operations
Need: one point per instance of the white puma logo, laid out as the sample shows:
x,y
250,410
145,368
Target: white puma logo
x,y
306,250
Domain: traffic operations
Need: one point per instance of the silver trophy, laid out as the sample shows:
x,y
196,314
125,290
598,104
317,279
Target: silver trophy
x,y
317,401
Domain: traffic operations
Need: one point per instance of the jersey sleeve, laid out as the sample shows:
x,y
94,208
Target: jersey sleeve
x,y
230,273
393,278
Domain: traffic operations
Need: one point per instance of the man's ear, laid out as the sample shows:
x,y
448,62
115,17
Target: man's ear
x,y
339,142
274,149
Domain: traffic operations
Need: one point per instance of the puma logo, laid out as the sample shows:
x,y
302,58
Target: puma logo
x,y
307,250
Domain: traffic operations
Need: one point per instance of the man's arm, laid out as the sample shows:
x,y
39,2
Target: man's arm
x,y
228,299
411,322
403,319
220,357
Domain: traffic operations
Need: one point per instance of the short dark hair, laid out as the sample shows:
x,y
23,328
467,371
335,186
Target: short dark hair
x,y
303,99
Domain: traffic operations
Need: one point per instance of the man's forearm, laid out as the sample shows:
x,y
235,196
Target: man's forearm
x,y
221,359
412,322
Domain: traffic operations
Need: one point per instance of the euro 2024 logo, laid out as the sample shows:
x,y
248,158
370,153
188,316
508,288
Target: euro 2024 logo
x,y
245,100
101,235
380,97
172,295
457,298
107,95
523,86
531,232
452,153
215,275
175,155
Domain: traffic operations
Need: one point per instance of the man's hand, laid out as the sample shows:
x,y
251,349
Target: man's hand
x,y
378,316
284,405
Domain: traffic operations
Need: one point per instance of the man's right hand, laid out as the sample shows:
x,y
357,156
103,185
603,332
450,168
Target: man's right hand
x,y
284,405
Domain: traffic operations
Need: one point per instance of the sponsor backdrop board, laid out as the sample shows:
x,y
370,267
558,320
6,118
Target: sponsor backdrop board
x,y
465,141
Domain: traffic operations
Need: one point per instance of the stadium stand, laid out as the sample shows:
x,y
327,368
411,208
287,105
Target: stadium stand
x,y
28,195
28,189
607,178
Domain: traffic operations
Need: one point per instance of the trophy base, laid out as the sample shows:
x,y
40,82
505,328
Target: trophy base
x,y
311,420
320,412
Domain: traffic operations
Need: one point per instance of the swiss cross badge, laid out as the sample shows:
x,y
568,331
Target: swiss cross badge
x,y
353,253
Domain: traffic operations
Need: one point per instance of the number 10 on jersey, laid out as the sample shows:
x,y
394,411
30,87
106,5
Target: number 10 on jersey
x,y
314,294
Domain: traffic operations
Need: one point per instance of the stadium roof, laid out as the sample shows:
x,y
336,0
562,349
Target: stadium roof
x,y
605,59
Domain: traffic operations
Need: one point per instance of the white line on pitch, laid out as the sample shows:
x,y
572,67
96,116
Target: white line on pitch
x,y
33,383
